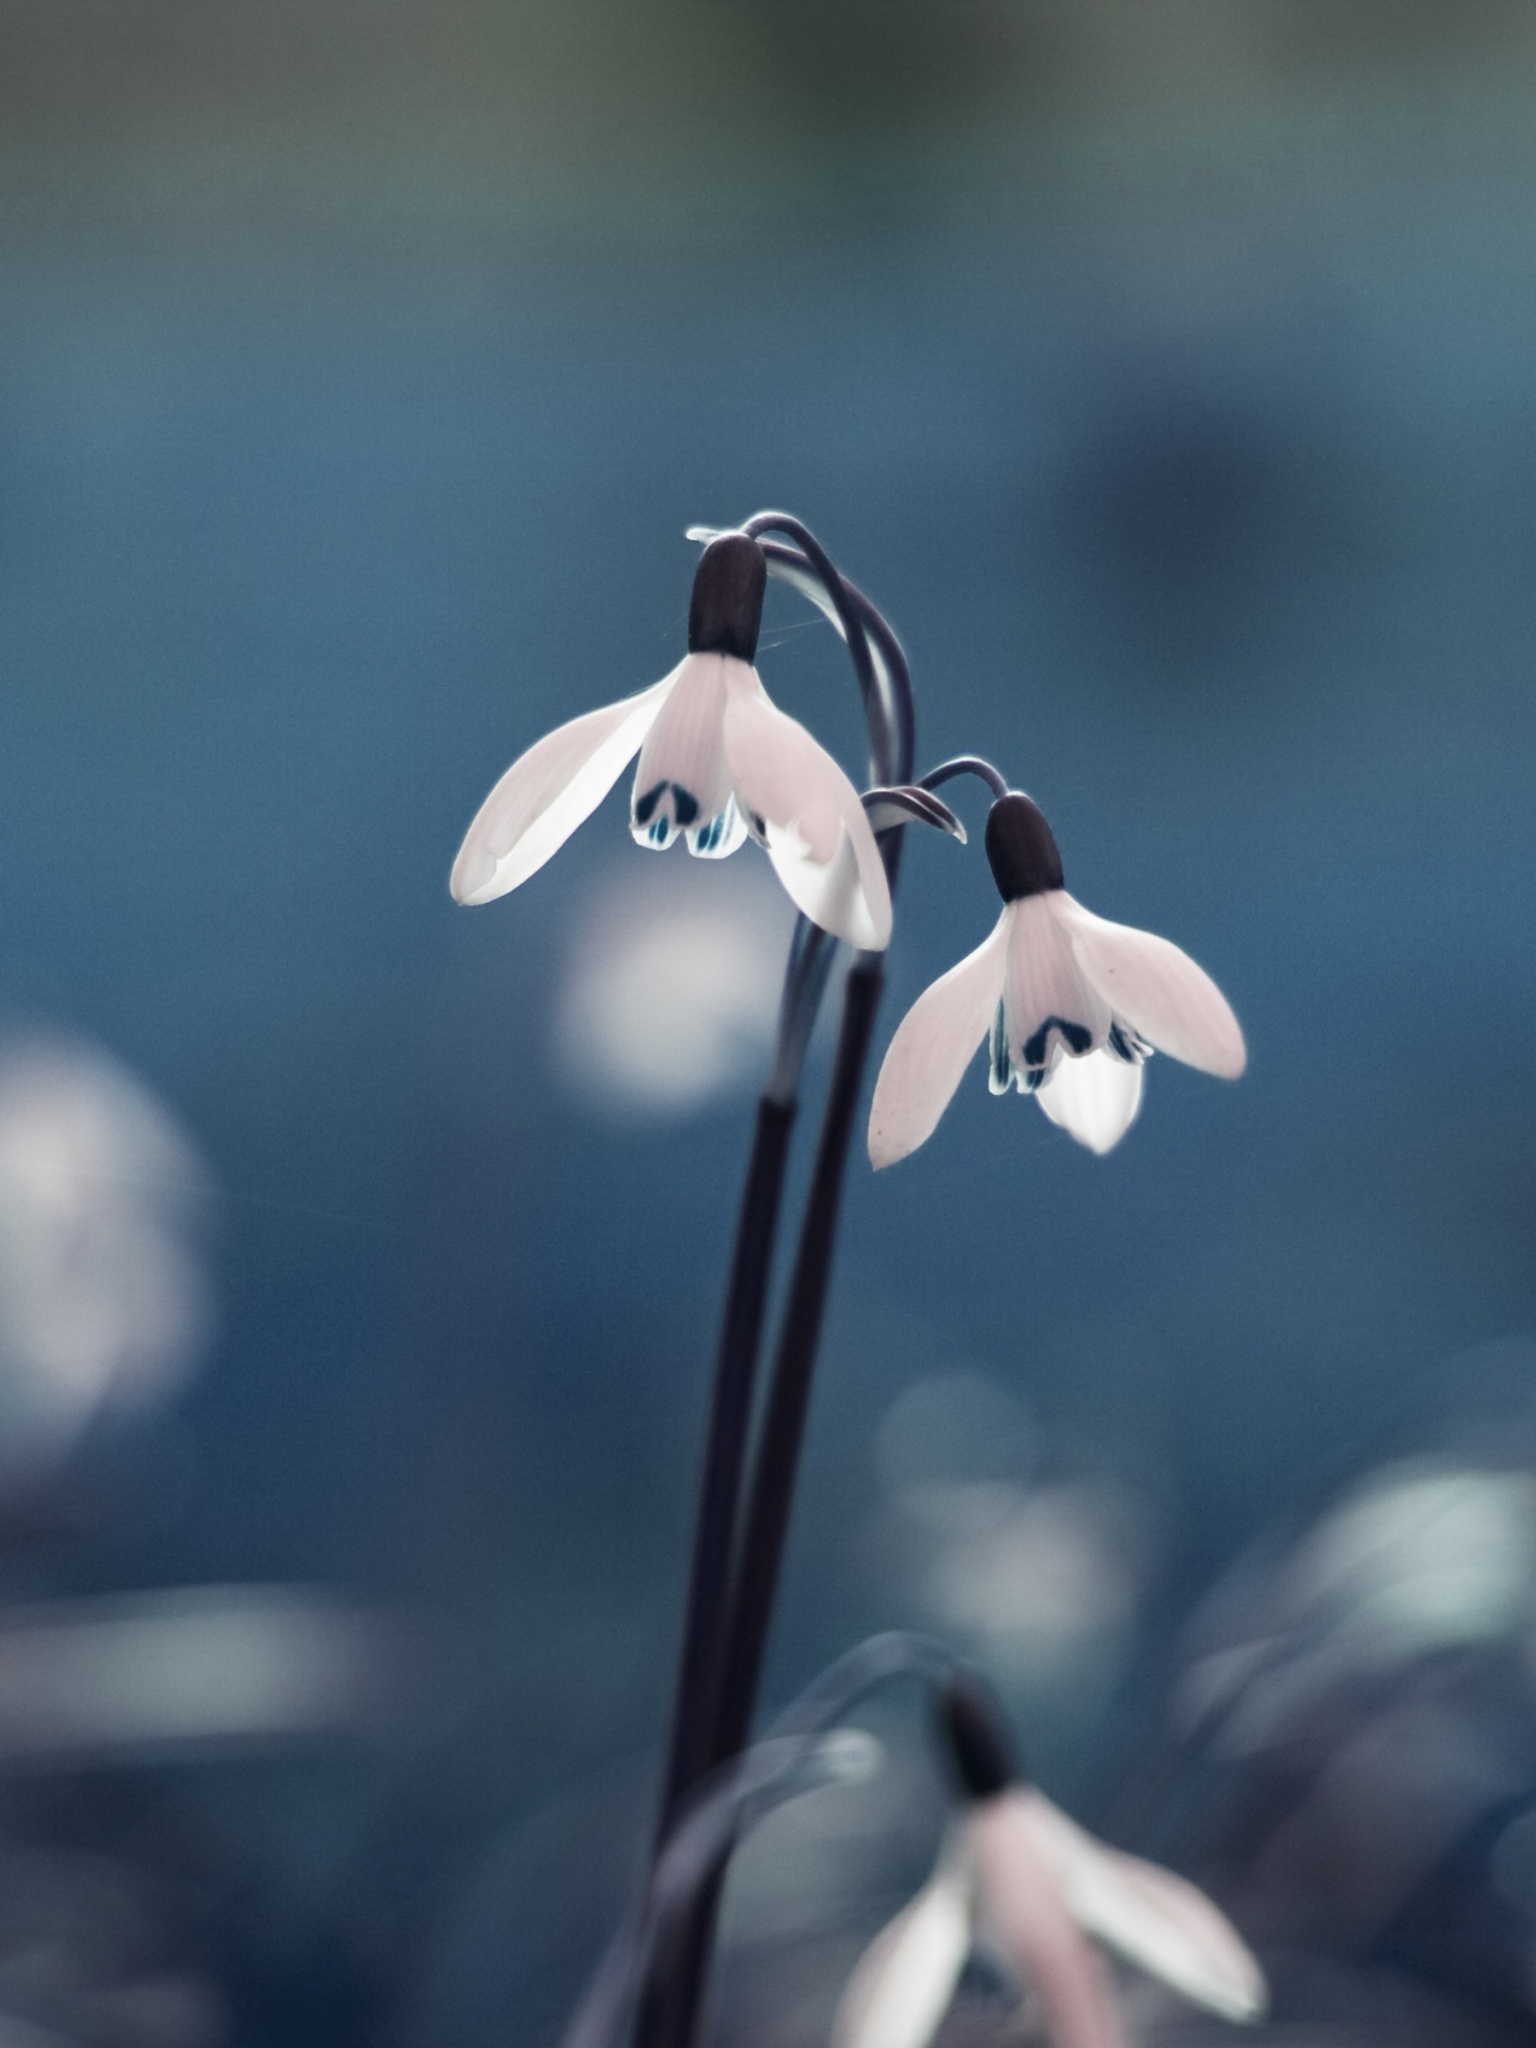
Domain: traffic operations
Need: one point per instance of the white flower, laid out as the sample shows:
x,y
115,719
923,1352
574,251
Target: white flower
x,y
717,761
1019,1879
1074,1003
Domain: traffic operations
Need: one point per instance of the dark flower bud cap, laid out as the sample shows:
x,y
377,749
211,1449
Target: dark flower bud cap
x,y
975,1733
726,611
1022,848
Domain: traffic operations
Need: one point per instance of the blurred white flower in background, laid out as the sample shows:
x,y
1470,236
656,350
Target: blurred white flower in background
x,y
102,1293
1050,1587
670,991
1019,1879
164,1671
1037,1575
1421,1556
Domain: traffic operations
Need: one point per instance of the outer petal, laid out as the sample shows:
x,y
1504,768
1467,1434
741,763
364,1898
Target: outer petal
x,y
1158,990
906,1978
548,792
682,782
1152,1918
1095,1098
1021,1909
1051,1007
808,815
933,1047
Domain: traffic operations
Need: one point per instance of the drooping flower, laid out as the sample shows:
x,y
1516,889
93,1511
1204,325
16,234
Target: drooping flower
x,y
1020,1882
1074,1005
718,762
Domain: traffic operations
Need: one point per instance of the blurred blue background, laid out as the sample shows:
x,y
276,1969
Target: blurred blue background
x,y
1166,373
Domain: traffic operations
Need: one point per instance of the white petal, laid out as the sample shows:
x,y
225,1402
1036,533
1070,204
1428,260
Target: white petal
x,y
1095,1098
811,819
1020,1908
839,895
548,792
1152,1918
1158,990
905,1979
933,1047
1051,1006
681,781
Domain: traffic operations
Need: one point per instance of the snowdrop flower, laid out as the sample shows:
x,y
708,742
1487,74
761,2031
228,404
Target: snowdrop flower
x,y
718,761
1019,1880
1075,1005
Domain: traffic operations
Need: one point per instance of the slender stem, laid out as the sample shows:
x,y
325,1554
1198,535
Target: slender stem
x,y
736,1355
771,1496
770,1500
730,1417
673,2006
704,1631
725,1449
965,764
694,1855
805,983
792,1756
893,742
704,1625
879,709
717,1682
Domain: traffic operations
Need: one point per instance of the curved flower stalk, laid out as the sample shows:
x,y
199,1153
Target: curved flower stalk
x,y
736,1557
1074,1005
802,562
722,1811
718,761
885,688
807,1746
1019,1880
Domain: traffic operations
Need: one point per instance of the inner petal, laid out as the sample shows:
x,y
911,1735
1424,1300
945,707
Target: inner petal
x,y
1050,1009
1128,1045
682,783
719,835
1000,1066
1095,1098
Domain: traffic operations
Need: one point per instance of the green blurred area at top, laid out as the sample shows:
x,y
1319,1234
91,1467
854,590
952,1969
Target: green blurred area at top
x,y
706,120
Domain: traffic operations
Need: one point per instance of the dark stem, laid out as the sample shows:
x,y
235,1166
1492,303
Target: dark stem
x,y
698,1671
697,1685
725,1451
792,1756
730,1417
893,742
771,1496
722,1655
717,1817
965,764
879,711
770,1500
674,2002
